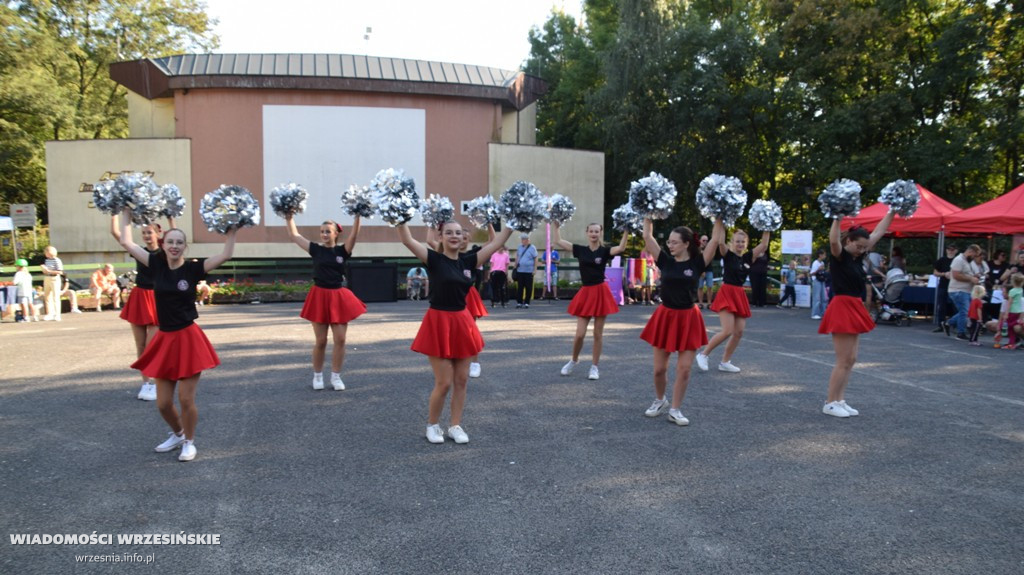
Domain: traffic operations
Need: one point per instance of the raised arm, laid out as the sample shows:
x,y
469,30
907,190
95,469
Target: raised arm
x,y
136,251
350,241
835,244
715,242
881,228
115,228
651,244
293,233
556,238
419,250
762,247
616,250
433,240
213,262
494,244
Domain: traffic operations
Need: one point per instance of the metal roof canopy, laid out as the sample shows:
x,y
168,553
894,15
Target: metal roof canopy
x,y
159,77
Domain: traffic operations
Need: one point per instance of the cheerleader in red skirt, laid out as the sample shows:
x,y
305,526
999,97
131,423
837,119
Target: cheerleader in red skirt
x,y
677,324
846,316
179,352
140,309
329,306
448,334
731,300
594,300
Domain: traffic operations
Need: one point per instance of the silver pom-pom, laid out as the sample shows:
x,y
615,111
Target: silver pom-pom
x,y
107,198
626,220
722,197
229,207
288,199
174,203
765,216
840,198
358,201
902,196
144,198
436,210
560,210
395,196
483,211
652,196
523,206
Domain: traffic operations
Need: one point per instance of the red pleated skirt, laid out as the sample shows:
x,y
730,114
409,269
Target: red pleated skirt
x,y
732,298
593,301
475,304
675,329
175,355
331,306
448,334
140,309
846,314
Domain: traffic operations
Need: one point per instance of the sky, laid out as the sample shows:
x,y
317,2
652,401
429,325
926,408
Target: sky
x,y
481,32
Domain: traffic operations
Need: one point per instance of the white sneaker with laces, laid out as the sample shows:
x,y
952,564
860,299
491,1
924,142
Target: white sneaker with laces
x,y
567,368
188,451
457,434
657,408
835,409
595,373
848,409
148,391
728,366
677,417
172,443
474,369
336,382
434,434
702,361
318,381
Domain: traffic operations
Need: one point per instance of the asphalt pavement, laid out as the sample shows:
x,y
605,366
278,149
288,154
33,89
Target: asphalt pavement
x,y
561,475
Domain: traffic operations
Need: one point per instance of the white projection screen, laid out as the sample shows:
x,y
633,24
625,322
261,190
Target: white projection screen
x,y
325,149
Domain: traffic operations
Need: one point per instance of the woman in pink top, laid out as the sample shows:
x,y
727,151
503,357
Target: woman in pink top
x,y
499,277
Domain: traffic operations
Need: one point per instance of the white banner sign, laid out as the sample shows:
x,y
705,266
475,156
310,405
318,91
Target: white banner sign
x,y
797,242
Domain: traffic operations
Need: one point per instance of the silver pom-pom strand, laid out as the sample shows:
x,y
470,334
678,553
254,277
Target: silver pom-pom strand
x,y
107,198
653,196
358,201
145,199
229,207
765,216
722,197
840,198
902,197
626,220
523,206
560,209
436,210
483,211
174,203
288,199
395,196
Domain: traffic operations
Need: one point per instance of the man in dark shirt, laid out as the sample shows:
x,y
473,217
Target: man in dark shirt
x,y
942,293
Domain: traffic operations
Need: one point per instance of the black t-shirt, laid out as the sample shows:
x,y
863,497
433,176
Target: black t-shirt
x,y
943,265
328,265
175,291
994,271
592,263
679,280
143,275
449,280
736,268
848,277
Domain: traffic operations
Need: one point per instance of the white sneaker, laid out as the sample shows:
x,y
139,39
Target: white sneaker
x,y
457,434
594,374
567,368
148,391
76,310
835,409
677,417
188,451
474,369
702,362
47,318
657,408
318,381
815,317
728,366
336,382
172,443
434,434
848,409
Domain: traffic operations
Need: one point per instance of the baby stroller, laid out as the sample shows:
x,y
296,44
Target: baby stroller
x,y
889,298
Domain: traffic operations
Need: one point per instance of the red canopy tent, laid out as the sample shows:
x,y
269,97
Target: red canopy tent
x,y
932,212
1001,216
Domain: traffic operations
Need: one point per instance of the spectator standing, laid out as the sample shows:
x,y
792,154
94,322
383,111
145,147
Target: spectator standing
x,y
499,276
706,282
819,278
759,280
962,280
974,313
24,293
789,285
941,270
1015,298
53,269
526,264
104,283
